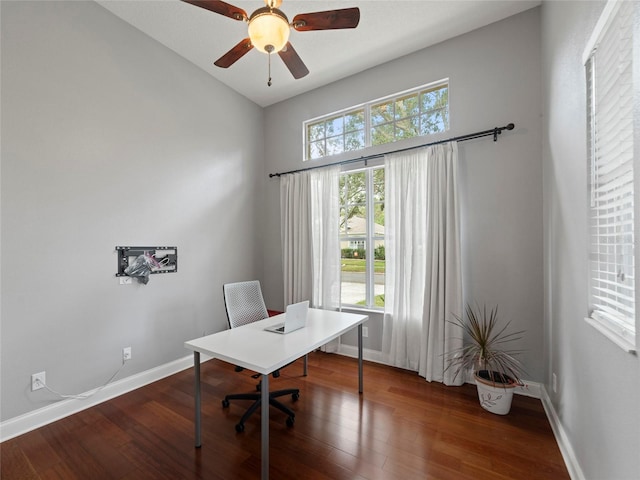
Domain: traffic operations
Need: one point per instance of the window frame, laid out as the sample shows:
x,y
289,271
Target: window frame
x,y
368,123
616,326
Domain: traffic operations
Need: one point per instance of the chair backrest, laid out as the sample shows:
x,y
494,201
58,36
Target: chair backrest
x,y
244,303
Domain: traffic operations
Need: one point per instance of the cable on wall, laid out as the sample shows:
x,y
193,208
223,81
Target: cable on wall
x,y
82,396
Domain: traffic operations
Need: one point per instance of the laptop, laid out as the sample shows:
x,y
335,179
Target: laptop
x,y
294,318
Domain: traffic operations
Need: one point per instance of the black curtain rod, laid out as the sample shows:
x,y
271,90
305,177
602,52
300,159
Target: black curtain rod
x,y
494,131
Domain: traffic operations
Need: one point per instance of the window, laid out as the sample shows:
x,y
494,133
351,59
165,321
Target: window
x,y
335,134
362,237
414,115
609,72
419,112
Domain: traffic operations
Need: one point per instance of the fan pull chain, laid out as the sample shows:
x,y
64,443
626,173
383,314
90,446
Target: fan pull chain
x,y
269,49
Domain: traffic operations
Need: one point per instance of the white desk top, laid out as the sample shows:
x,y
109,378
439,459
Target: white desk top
x,y
263,352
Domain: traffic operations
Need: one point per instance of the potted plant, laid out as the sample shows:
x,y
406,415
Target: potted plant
x,y
496,370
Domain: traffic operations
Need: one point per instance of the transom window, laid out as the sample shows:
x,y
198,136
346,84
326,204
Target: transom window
x,y
419,112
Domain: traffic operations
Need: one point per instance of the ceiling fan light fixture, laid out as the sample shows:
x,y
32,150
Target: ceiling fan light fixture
x,y
269,30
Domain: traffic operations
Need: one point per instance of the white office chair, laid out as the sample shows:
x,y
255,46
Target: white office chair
x,y
244,304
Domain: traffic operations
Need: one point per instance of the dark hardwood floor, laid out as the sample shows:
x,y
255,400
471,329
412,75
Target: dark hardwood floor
x,y
401,428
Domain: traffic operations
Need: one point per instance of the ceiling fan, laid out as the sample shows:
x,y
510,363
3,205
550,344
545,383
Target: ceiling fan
x,y
269,30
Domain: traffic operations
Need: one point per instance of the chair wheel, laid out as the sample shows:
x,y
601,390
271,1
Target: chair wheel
x,y
295,396
259,387
240,427
290,421
225,403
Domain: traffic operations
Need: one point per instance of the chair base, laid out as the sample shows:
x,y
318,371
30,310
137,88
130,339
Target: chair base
x,y
257,402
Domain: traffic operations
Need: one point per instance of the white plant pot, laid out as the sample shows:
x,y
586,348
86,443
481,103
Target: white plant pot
x,y
495,398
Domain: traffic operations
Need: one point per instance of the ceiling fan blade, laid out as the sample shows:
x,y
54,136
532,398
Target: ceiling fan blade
x,y
235,54
218,6
327,20
293,62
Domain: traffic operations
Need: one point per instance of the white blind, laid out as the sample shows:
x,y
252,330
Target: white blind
x,y
610,99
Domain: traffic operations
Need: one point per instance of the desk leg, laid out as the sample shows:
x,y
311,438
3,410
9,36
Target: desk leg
x,y
360,358
264,389
196,369
306,365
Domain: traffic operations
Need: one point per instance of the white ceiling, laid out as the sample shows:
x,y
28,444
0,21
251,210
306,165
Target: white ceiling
x,y
387,30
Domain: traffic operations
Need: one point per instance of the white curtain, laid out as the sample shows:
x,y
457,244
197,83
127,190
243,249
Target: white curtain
x,y
295,224
423,284
310,216
325,237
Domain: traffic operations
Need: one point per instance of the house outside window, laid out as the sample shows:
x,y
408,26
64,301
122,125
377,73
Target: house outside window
x,y
418,112
362,238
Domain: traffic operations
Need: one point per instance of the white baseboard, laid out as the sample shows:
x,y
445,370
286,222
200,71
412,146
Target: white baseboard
x,y
569,456
530,389
43,416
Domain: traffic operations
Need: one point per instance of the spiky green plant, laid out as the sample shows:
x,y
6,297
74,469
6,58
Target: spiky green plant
x,y
484,348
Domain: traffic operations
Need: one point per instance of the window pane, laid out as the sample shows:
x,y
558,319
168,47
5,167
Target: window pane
x,y
354,121
316,150
407,128
354,141
445,117
355,223
343,221
378,184
379,272
315,131
434,122
354,276
382,134
434,99
335,126
407,107
335,145
353,205
355,186
378,218
381,113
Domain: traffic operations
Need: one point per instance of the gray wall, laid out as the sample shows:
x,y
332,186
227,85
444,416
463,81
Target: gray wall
x,y
598,384
494,76
109,139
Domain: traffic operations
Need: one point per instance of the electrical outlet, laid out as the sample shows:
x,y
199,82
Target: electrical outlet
x,y
554,383
38,381
365,331
126,354
126,280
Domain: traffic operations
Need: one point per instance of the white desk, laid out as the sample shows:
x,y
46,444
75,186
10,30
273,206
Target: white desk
x,y
263,352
